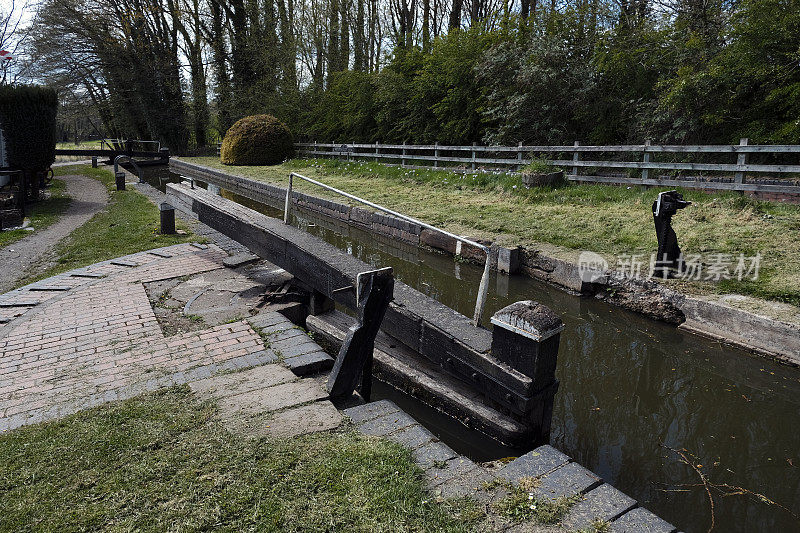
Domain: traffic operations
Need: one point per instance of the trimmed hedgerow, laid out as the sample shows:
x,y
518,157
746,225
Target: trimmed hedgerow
x,y
28,119
257,140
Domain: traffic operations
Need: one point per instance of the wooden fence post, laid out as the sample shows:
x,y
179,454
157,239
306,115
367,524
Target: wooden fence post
x,y
436,154
403,161
519,156
576,156
473,156
376,151
741,160
646,159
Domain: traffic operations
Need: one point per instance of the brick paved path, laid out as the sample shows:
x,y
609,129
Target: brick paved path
x,y
89,336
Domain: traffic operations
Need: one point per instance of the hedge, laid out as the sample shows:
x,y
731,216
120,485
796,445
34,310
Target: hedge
x,y
28,119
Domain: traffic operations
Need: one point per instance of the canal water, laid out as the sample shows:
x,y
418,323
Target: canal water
x,y
635,394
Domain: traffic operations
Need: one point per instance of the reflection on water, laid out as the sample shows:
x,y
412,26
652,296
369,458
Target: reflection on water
x,y
632,388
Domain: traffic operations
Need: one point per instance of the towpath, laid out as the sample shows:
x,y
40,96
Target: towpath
x,y
32,254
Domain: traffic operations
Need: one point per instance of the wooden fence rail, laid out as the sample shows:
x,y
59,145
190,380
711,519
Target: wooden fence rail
x,y
720,166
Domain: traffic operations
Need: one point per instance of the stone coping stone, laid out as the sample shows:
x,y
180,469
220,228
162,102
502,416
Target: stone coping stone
x,y
238,260
458,467
369,411
318,416
386,424
433,453
240,382
85,274
270,322
640,520
469,484
301,348
159,253
535,463
124,263
413,436
309,363
273,398
566,481
603,503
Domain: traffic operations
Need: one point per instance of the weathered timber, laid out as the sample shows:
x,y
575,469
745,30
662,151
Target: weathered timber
x,y
354,362
435,331
526,336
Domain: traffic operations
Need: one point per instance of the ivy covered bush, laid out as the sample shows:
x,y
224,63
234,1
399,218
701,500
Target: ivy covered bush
x,y
257,140
28,119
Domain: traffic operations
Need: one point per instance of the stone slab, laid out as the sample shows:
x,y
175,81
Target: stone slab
x,y
319,416
603,503
469,485
310,363
307,346
386,424
566,481
91,275
458,467
159,253
535,463
433,453
370,411
270,322
413,436
199,246
124,263
242,382
235,261
21,302
273,398
640,520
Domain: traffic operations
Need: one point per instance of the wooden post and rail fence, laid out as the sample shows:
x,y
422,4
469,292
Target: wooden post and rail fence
x,y
738,167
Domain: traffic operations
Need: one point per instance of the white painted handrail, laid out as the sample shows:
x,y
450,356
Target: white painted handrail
x,y
483,288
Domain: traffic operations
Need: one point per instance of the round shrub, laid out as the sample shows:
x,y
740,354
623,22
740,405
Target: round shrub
x,y
257,140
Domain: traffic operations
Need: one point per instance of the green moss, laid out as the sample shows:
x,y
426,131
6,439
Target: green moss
x,y
257,140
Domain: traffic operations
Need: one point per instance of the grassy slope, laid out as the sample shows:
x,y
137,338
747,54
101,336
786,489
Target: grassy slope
x,y
161,462
606,219
41,214
127,225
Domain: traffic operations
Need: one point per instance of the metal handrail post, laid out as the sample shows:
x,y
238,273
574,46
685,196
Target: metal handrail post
x,y
483,291
132,162
287,207
483,288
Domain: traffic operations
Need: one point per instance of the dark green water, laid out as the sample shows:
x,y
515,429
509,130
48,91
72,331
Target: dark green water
x,y
631,389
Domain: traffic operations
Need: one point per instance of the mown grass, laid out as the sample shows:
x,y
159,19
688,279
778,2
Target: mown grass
x,y
40,214
161,462
609,220
128,224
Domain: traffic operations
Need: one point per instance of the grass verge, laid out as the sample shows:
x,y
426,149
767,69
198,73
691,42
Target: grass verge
x,y
161,462
40,214
609,220
128,224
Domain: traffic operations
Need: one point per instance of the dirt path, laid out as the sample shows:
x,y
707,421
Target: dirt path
x,y
88,197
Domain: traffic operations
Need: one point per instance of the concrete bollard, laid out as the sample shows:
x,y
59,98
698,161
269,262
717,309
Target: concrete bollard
x,y
526,337
94,162
167,219
119,177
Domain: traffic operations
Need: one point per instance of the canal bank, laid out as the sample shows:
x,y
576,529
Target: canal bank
x,y
632,389
723,318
